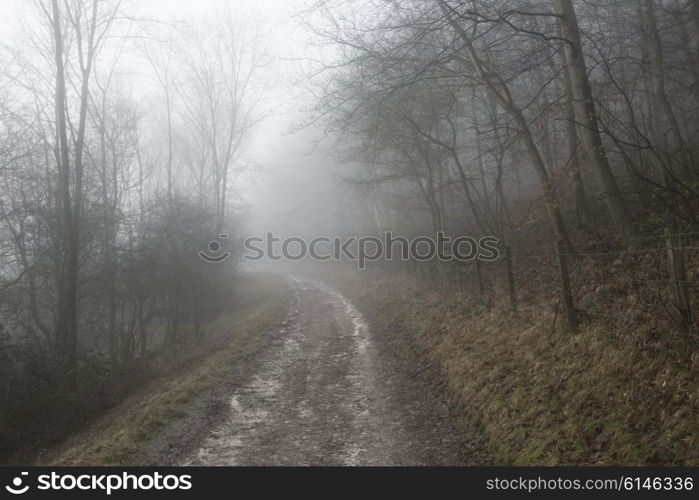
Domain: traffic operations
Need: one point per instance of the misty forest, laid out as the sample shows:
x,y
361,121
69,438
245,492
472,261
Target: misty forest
x,y
141,141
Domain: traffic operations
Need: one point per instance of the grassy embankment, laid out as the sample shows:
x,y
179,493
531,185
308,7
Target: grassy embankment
x,y
602,395
120,436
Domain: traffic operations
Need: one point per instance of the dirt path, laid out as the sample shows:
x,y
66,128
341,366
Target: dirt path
x,y
322,391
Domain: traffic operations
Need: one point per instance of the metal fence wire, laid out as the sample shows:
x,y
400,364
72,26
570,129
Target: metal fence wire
x,y
651,278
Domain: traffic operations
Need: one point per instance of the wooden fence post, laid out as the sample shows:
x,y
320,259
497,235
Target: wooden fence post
x,y
571,313
678,280
479,277
511,279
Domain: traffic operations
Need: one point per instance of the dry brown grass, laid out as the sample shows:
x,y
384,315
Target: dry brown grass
x,y
119,437
614,392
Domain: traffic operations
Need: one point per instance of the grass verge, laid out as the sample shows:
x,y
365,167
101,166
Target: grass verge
x,y
541,397
119,437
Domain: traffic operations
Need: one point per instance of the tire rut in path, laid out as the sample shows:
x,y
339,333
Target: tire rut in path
x,y
324,392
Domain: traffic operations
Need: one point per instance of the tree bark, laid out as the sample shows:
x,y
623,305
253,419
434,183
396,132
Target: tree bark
x,y
582,211
676,146
499,90
586,116
66,328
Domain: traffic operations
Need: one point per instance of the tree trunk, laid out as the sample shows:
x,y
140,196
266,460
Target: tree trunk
x,y
66,327
587,118
676,146
582,211
499,90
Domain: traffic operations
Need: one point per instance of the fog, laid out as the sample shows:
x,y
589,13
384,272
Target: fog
x,y
142,143
290,187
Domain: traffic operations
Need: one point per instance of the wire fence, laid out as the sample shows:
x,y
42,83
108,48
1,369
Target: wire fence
x,y
650,280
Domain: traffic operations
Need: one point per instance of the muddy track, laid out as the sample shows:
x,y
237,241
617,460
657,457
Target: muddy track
x,y
323,390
